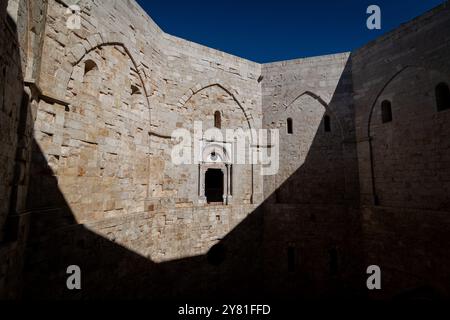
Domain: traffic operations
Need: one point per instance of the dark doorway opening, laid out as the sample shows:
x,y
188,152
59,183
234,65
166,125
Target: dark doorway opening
x,y
327,123
334,266
214,186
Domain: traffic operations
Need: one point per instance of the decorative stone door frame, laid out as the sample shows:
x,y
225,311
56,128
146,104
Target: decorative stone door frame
x,y
226,171
221,162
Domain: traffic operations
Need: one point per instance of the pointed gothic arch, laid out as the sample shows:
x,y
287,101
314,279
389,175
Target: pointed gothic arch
x,y
318,98
211,83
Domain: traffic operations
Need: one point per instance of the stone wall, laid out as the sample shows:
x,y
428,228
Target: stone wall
x,y
10,68
312,251
18,110
319,165
116,90
405,73
167,72
99,141
410,246
164,255
404,164
11,95
311,212
98,105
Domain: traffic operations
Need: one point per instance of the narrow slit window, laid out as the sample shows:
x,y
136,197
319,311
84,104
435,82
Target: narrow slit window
x,y
135,90
327,123
231,180
135,97
290,129
386,111
291,258
333,256
442,97
217,120
89,66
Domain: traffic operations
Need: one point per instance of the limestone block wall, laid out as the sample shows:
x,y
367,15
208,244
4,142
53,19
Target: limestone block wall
x,y
198,82
405,74
404,164
316,188
201,108
411,154
99,141
21,38
102,102
132,257
319,165
410,246
169,72
312,251
11,95
10,100
37,13
116,90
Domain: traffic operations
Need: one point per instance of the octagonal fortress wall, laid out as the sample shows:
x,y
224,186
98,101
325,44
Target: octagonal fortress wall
x,y
118,88
94,184
404,163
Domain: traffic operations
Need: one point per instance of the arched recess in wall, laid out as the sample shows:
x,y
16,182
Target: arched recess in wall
x,y
247,119
131,58
368,120
208,84
367,124
78,53
136,96
319,99
370,115
318,176
414,119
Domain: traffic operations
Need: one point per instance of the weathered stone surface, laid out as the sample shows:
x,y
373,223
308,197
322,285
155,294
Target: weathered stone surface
x,y
86,162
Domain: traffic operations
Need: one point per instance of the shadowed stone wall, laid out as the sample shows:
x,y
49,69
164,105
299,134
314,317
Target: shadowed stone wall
x,y
11,93
101,104
316,188
306,91
19,47
404,164
119,88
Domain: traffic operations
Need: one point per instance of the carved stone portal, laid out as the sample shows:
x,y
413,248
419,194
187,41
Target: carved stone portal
x,y
215,168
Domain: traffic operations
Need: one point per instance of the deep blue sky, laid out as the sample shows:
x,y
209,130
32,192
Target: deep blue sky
x,y
265,31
